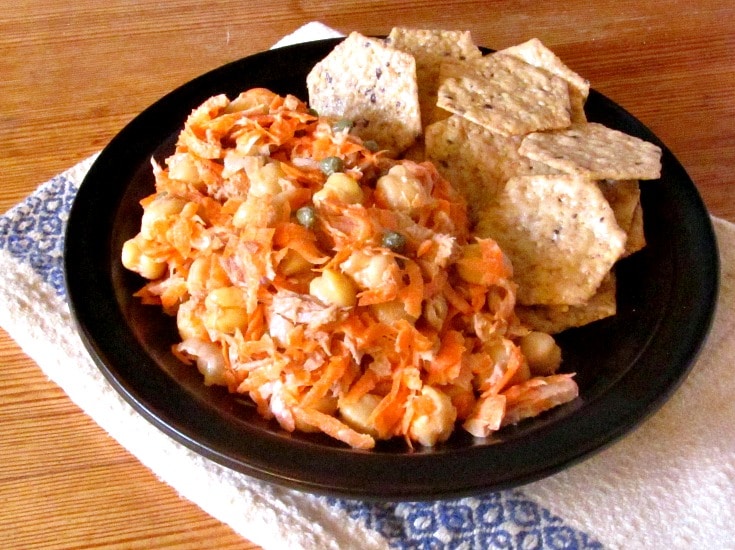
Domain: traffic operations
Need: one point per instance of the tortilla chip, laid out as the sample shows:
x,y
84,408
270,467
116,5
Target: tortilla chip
x,y
430,47
595,151
449,68
416,152
555,319
559,233
475,160
371,84
624,198
636,238
535,53
506,95
576,103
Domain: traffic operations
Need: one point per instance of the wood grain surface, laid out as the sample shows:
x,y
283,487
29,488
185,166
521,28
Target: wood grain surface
x,y
73,74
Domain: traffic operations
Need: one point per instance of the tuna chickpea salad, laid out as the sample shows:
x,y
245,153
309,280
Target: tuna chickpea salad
x,y
338,288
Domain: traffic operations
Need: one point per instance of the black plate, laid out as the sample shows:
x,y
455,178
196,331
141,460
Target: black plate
x,y
627,366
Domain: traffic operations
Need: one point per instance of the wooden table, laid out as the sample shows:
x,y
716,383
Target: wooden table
x,y
74,73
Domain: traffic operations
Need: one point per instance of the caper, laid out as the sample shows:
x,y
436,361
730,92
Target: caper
x,y
343,124
313,112
306,216
394,241
371,145
330,165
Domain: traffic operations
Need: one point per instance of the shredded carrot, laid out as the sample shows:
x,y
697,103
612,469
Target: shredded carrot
x,y
335,369
413,293
362,386
445,367
456,299
297,237
389,413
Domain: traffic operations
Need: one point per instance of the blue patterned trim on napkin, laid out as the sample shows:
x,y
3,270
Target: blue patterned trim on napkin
x,y
33,233
504,519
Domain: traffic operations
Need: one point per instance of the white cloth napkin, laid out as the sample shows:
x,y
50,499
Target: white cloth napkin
x,y
670,484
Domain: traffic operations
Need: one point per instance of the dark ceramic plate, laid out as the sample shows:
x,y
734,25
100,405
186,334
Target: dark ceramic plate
x,y
626,366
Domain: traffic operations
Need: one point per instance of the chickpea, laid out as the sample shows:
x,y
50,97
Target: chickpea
x,y
400,191
357,415
189,321
229,296
206,273
134,259
266,180
130,255
209,359
225,310
541,352
211,364
226,320
389,313
369,270
160,208
255,210
437,422
181,167
242,214
293,263
334,287
150,268
341,186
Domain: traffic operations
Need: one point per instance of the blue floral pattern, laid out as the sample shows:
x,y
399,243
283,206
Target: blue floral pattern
x,y
502,520
33,232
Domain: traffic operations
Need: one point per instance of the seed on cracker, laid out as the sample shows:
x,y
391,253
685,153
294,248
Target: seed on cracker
x,y
559,233
477,161
537,54
430,47
595,151
555,319
373,85
506,95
